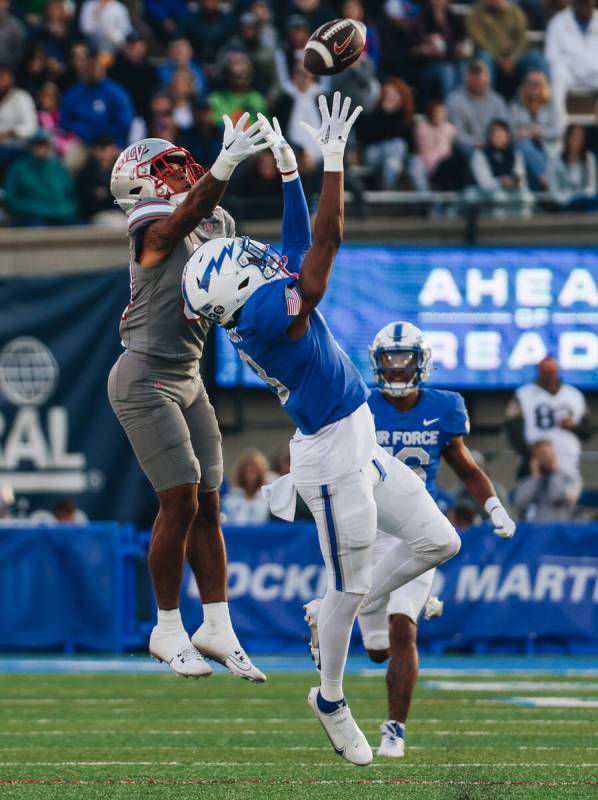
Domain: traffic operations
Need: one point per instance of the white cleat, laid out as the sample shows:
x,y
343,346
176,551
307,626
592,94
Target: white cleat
x,y
433,608
312,609
228,652
176,650
392,744
340,727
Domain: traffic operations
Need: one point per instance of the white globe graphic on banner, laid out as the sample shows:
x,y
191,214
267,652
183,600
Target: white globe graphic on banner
x,y
28,371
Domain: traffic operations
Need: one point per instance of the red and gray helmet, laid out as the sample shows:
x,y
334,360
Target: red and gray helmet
x,y
145,168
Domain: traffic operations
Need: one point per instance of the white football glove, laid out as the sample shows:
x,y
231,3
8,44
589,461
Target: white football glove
x,y
332,136
237,145
283,152
503,524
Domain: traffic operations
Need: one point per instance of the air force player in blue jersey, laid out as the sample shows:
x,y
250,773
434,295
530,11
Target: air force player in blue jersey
x,y
267,303
417,425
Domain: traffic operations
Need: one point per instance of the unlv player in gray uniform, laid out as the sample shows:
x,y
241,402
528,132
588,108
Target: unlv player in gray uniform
x,y
157,393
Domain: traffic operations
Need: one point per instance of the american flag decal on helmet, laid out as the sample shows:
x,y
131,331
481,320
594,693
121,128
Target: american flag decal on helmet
x,y
293,299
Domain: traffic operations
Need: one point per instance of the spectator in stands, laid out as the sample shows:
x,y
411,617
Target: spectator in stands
x,y
463,515
7,501
439,47
259,188
435,161
163,126
159,119
12,36
55,35
18,120
238,93
66,145
96,106
535,124
473,107
39,188
290,52
180,56
499,172
548,409
547,494
358,82
204,138
76,66
571,49
96,203
386,132
315,12
248,41
354,9
244,504
208,28
268,33
572,173
66,512
395,29
498,29
105,23
35,70
297,104
164,17
133,71
183,93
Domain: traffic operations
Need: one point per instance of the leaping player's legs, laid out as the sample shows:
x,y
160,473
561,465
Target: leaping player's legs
x,y
425,537
345,515
205,548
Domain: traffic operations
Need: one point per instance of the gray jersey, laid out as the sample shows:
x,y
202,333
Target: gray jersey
x,y
154,322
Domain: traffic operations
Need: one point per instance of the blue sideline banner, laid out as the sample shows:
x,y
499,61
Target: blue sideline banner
x,y
540,586
64,587
58,434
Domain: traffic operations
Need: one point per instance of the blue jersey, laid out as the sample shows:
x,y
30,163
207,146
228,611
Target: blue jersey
x,y
316,382
419,436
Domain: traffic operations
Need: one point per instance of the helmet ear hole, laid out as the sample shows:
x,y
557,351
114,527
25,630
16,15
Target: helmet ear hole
x,y
243,283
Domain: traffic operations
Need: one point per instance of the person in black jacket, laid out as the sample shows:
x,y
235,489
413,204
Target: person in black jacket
x,y
93,181
385,133
133,72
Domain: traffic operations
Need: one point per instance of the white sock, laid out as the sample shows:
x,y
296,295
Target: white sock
x,y
170,621
335,623
399,566
216,618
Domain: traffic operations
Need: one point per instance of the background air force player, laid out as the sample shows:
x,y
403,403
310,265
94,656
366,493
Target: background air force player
x,y
417,425
347,481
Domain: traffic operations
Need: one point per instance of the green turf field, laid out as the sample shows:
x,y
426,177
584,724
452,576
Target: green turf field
x,y
158,736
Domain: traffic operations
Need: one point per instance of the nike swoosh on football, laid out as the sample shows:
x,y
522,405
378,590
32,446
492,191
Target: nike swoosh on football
x,y
430,421
340,48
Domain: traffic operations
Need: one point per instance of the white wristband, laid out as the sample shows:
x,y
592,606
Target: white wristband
x,y
222,169
333,163
491,504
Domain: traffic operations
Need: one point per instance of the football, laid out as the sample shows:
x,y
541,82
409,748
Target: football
x,y
333,46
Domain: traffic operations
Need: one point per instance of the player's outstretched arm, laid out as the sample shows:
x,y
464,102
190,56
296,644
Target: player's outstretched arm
x,y
296,228
203,197
328,226
459,458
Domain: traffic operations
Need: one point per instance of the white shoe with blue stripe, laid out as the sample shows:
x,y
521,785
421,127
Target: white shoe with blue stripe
x,y
392,744
346,738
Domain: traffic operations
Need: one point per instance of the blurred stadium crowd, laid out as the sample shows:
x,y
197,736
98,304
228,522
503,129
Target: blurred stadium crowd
x,y
491,102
